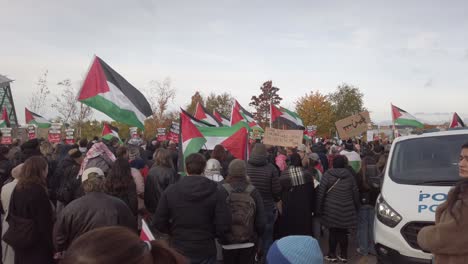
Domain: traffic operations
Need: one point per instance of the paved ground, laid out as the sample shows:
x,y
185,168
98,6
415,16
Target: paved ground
x,y
354,257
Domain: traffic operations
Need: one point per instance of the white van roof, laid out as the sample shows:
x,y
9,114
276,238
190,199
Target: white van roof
x,y
463,131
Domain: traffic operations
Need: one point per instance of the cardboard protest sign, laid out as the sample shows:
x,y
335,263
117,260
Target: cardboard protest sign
x,y
32,132
283,138
55,133
353,126
161,135
70,136
6,136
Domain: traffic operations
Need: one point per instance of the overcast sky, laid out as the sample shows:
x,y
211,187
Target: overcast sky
x,y
411,53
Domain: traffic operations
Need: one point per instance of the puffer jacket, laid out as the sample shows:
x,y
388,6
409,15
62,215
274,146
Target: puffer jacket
x,y
338,203
448,239
265,177
158,179
87,213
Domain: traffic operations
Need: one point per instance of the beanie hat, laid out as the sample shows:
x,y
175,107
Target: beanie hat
x,y
259,150
88,171
237,168
74,153
213,167
295,250
314,156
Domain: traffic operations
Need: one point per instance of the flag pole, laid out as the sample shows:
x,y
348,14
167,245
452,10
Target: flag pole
x,y
271,107
393,121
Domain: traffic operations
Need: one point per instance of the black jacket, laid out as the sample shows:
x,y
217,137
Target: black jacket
x,y
193,212
339,206
87,213
69,182
158,179
265,177
58,178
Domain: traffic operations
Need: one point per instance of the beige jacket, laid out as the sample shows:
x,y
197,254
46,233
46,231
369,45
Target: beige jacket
x,y
447,239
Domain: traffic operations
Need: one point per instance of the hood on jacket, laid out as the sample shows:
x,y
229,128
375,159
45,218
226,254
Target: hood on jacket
x,y
340,173
196,188
258,160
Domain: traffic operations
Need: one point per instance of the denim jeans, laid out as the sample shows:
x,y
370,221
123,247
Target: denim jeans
x,y
267,238
365,230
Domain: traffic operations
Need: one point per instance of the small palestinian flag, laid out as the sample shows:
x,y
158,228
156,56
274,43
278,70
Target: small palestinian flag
x,y
203,115
5,122
35,119
403,118
222,119
456,121
191,138
107,91
197,122
239,114
233,138
109,131
286,117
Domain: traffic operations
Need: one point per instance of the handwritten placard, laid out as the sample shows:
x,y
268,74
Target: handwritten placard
x,y
353,126
283,138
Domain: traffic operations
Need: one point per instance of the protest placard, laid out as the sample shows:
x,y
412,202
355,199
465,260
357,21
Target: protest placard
x,y
173,134
70,136
31,132
55,132
133,132
6,136
283,138
161,134
353,126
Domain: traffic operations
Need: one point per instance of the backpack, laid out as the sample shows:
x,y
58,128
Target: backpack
x,y
242,207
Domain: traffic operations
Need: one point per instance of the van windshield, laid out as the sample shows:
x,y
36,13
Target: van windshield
x,y
427,160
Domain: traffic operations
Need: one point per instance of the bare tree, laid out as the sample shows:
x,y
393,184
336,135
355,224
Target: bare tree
x,y
68,108
159,95
38,99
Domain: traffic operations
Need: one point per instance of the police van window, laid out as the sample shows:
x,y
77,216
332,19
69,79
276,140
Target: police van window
x,y
427,161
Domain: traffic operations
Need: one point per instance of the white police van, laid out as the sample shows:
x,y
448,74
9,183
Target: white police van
x,y
421,170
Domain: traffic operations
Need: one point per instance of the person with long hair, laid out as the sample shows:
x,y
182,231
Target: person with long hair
x,y
298,199
448,238
242,240
220,154
337,205
30,201
120,183
109,245
160,176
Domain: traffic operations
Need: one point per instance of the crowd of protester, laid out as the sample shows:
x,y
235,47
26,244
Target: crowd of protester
x,y
85,203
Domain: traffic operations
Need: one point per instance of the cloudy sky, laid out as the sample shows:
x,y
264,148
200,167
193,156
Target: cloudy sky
x,y
411,53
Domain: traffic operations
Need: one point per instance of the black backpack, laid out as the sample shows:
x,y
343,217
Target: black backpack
x,y
242,207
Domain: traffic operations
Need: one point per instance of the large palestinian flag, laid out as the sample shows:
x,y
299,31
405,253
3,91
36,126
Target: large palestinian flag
x,y
239,114
456,121
234,139
5,122
109,131
286,117
191,138
203,115
35,119
403,118
107,91
222,119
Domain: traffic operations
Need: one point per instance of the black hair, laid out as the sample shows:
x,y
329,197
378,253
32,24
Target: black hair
x,y
295,160
340,161
460,188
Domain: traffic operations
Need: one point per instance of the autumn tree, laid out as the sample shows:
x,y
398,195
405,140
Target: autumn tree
x,y
196,98
346,101
38,99
269,95
159,96
91,129
221,103
69,110
316,109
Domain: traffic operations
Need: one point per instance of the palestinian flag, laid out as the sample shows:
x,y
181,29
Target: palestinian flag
x,y
203,115
107,91
222,119
109,131
197,122
35,119
5,122
239,114
286,117
234,139
146,234
456,121
191,138
403,118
